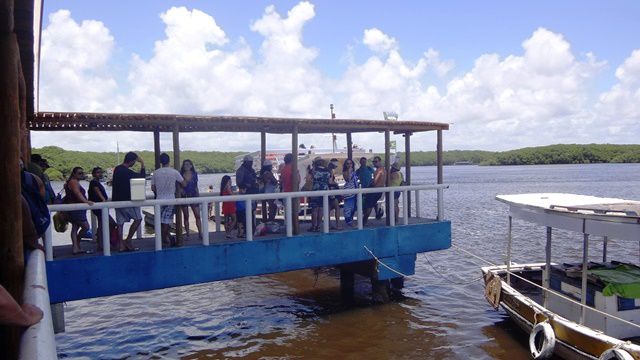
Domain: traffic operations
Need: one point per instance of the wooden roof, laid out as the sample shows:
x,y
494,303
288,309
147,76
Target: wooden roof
x,y
66,121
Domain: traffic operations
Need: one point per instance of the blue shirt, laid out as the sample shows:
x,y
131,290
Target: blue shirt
x,y
365,174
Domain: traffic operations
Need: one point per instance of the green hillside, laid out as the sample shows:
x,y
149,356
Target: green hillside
x,y
62,161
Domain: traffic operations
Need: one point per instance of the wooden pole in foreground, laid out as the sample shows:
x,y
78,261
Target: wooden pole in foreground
x,y
295,208
11,253
439,158
23,18
177,166
156,148
387,168
263,157
407,167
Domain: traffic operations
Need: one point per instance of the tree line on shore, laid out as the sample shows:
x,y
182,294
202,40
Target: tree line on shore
x,y
540,155
207,162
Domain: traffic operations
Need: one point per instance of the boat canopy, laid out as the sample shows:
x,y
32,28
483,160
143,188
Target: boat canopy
x,y
615,218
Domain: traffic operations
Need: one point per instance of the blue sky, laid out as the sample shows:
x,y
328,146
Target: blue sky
x,y
460,32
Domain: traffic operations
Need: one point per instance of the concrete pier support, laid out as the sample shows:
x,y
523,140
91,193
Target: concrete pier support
x,y
380,291
347,283
57,315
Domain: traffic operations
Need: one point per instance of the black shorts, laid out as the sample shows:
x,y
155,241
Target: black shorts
x,y
371,199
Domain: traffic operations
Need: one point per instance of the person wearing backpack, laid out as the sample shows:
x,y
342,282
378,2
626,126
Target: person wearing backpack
x,y
75,194
33,193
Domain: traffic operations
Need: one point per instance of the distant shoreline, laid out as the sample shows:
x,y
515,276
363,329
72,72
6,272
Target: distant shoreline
x,y
214,162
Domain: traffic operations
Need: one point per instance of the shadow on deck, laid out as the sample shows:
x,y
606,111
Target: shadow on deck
x,y
75,277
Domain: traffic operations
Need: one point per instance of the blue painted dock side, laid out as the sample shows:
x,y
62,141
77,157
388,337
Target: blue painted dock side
x,y
80,278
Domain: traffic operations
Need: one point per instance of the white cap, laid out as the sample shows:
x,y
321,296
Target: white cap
x,y
247,158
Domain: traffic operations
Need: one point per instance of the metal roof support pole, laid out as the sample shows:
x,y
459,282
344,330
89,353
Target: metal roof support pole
x,y
439,157
176,165
156,148
407,168
604,249
263,157
387,167
585,266
294,180
349,146
509,238
547,268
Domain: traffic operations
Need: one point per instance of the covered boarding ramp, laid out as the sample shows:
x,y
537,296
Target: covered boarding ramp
x,y
157,123
384,250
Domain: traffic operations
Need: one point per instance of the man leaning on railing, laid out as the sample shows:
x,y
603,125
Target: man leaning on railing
x,y
122,175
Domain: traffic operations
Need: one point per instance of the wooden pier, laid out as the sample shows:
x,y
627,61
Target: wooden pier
x,y
87,276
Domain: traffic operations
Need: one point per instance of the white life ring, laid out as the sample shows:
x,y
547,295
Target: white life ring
x,y
615,354
542,341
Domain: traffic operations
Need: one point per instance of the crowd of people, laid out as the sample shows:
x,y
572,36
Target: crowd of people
x,y
168,183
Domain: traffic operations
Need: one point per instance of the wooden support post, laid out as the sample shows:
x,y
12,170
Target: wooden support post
x,y
11,255
156,148
349,146
263,157
439,157
177,165
407,168
23,18
295,208
387,167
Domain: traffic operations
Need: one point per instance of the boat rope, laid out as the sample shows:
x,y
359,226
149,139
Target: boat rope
x,y
434,268
383,264
553,292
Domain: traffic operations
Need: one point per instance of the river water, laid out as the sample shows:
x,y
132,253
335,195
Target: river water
x,y
300,314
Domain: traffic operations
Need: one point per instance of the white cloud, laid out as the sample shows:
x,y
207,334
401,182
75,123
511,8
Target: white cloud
x,y
619,108
74,71
378,41
535,97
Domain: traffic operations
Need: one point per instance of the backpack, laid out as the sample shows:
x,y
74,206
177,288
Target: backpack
x,y
37,206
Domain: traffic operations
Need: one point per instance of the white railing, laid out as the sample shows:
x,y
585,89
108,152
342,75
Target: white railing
x,y
38,341
248,199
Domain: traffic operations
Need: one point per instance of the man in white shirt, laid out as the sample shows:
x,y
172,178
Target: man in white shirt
x,y
163,184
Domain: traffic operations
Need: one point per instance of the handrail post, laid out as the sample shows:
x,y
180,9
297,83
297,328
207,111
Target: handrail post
x,y
94,225
325,213
359,210
417,203
440,204
157,226
585,267
204,216
405,207
48,242
216,209
391,213
248,221
509,239
106,243
139,231
288,217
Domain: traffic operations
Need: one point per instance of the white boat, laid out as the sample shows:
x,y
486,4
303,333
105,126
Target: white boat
x,y
574,311
305,158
